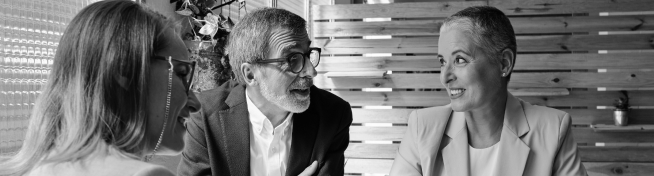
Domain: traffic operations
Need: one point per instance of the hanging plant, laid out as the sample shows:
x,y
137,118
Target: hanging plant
x,y
209,32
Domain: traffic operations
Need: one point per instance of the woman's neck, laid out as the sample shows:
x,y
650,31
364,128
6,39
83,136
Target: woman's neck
x,y
485,124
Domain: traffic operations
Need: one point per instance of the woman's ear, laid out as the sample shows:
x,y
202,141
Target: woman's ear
x,y
507,62
247,70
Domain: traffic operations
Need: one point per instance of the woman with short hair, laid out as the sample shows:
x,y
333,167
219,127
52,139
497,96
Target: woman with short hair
x,y
484,130
118,93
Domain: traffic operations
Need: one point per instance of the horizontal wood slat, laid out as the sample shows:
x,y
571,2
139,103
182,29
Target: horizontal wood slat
x,y
397,10
587,153
383,166
523,62
581,135
589,99
593,7
579,116
548,43
518,80
360,74
444,9
521,25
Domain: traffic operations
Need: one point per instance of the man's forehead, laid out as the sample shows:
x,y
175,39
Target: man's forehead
x,y
289,38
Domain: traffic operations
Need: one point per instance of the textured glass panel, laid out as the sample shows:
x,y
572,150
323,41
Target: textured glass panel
x,y
29,34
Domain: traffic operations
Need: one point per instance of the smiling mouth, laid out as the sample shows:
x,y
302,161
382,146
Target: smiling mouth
x,y
456,92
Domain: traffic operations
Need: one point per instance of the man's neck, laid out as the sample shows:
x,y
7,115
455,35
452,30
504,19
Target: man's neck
x,y
274,113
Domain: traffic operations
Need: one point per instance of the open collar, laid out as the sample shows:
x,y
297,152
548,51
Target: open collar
x,y
513,151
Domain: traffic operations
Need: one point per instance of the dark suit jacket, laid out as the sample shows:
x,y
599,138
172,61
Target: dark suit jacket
x,y
218,138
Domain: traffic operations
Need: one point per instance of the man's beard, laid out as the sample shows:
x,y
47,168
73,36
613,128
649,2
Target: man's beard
x,y
289,101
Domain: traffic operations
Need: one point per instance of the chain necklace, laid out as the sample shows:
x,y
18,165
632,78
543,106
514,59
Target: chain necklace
x,y
170,86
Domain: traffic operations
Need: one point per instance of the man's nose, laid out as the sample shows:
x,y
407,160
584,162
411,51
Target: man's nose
x,y
309,70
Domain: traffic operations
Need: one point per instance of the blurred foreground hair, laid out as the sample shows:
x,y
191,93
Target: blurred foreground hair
x,y
95,97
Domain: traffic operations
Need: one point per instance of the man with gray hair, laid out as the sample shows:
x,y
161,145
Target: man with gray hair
x,y
270,120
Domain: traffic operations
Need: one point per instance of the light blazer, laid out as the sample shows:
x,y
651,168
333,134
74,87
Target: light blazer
x,y
218,138
535,141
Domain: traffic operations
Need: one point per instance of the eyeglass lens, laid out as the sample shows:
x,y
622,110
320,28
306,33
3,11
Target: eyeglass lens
x,y
297,60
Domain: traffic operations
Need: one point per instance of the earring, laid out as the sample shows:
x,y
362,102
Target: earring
x,y
503,74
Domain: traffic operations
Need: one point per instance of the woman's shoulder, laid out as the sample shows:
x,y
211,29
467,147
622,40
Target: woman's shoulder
x,y
431,115
128,166
542,115
109,165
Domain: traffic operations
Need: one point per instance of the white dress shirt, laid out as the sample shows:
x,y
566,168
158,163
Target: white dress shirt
x,y
269,147
484,161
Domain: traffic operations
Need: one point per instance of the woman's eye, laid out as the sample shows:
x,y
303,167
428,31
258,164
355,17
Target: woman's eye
x,y
442,61
459,60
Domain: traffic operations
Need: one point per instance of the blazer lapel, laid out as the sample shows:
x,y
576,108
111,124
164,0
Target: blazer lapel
x,y
455,154
513,151
305,129
236,135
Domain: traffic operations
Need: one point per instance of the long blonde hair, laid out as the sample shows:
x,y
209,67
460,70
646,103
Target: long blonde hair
x,y
83,108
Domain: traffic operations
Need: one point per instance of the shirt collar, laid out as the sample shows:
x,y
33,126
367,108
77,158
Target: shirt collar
x,y
260,122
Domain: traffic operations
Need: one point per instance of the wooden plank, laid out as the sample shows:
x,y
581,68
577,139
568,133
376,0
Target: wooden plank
x,y
622,169
518,80
372,166
399,116
383,166
396,10
579,116
545,43
629,128
587,153
605,116
521,25
538,7
523,62
359,74
581,135
590,99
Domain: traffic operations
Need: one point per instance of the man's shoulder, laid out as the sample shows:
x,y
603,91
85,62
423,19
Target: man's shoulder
x,y
217,96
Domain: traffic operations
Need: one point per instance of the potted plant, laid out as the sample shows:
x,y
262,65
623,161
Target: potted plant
x,y
205,33
621,112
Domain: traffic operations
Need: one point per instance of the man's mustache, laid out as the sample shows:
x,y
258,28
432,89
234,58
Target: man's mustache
x,y
302,83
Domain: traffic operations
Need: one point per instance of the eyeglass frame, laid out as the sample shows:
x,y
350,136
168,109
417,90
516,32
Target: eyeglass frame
x,y
193,65
288,59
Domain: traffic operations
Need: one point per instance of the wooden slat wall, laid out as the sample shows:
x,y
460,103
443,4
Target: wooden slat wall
x,y
572,57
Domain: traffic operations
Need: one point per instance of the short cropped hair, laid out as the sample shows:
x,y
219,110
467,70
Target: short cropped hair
x,y
490,29
250,39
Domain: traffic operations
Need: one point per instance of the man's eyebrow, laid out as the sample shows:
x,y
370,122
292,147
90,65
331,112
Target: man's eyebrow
x,y
286,48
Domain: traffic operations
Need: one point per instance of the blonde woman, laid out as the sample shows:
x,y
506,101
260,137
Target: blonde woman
x,y
118,93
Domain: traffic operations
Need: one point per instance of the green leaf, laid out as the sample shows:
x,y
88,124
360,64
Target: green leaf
x,y
185,12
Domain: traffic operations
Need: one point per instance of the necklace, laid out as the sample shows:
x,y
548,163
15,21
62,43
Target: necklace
x,y
170,82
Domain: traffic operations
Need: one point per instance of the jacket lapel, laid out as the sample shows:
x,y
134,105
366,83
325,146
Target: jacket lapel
x,y
513,151
455,154
305,129
236,137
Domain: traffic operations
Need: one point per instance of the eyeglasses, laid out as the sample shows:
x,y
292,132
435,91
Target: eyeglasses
x,y
188,66
296,60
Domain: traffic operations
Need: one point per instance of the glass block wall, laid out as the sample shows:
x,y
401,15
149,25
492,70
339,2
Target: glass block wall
x,y
29,35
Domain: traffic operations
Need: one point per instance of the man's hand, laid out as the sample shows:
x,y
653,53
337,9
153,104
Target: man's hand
x,y
310,170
